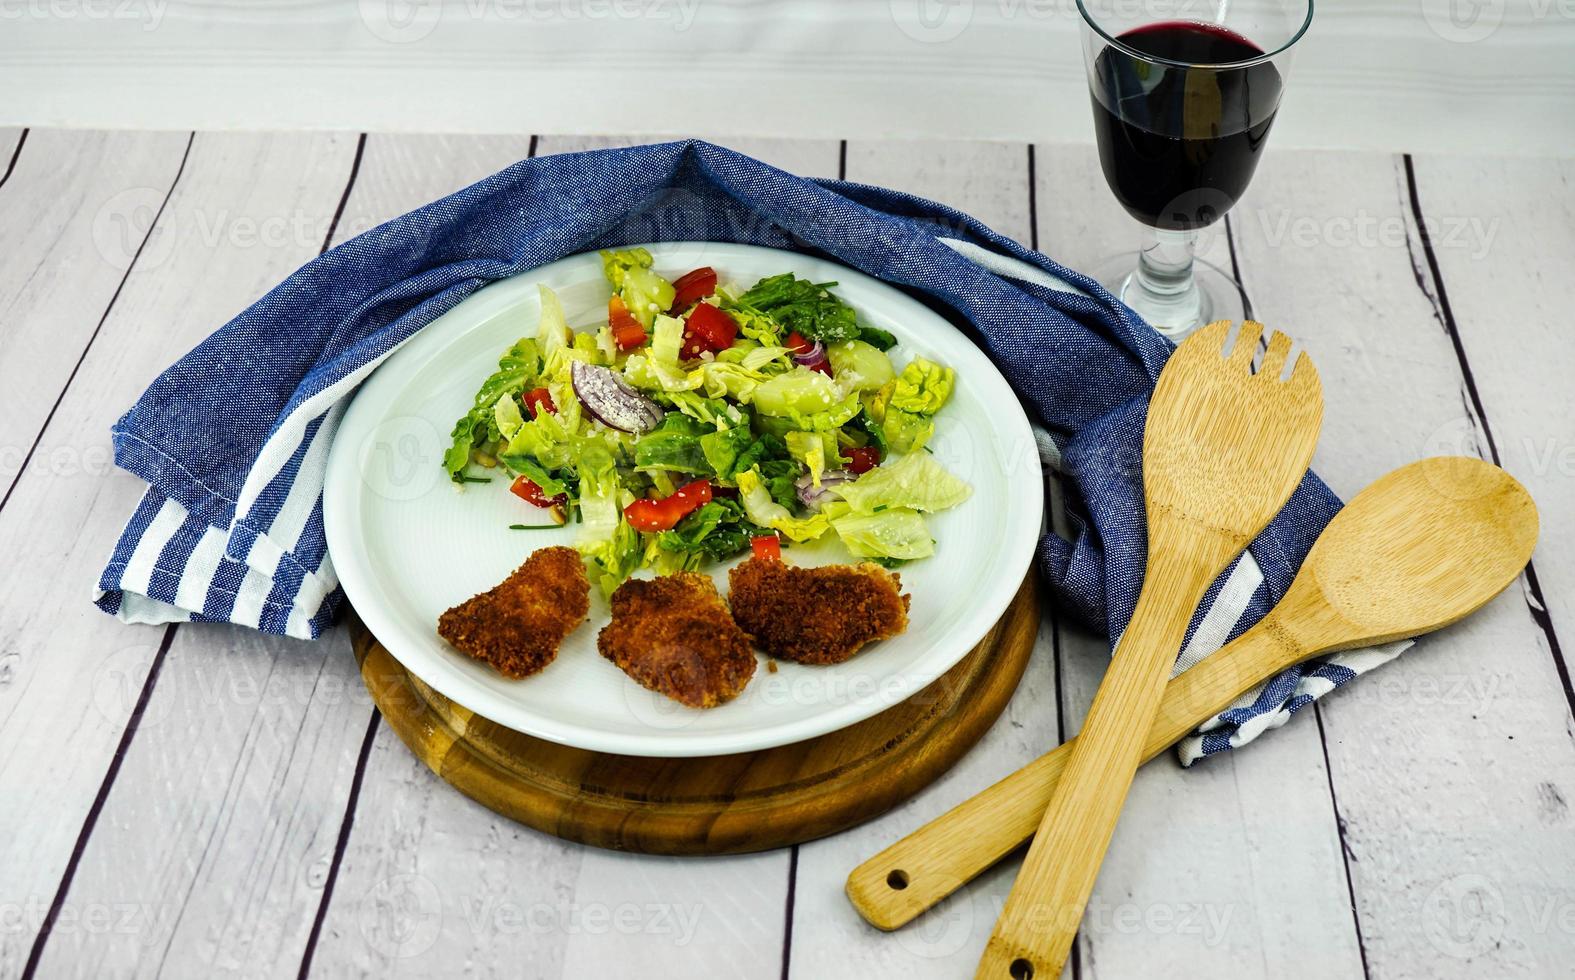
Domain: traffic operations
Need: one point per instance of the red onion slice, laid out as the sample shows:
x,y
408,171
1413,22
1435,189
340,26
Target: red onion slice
x,y
609,399
811,357
812,496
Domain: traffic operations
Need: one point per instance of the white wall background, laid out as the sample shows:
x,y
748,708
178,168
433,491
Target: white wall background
x,y
1477,76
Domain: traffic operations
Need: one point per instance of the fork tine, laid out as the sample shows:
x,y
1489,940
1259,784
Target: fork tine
x,y
1246,345
1207,339
1274,357
1305,372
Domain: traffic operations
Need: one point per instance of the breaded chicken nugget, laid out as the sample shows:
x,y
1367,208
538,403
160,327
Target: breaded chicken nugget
x,y
816,615
517,626
674,636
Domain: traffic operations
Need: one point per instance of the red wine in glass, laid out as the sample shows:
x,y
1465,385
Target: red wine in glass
x,y
1182,112
1179,140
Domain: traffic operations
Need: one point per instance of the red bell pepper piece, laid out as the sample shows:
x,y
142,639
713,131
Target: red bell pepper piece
x,y
692,287
708,329
627,331
861,459
538,400
526,489
652,515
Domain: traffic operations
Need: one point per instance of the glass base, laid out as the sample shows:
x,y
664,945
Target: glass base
x,y
1217,296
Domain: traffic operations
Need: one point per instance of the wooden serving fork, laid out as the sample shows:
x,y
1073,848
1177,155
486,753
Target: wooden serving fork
x,y
1223,449
1421,548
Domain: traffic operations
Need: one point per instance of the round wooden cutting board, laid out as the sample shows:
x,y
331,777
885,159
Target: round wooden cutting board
x,y
725,804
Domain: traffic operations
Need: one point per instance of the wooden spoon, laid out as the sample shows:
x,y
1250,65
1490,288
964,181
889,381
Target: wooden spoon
x,y
1423,547
1223,449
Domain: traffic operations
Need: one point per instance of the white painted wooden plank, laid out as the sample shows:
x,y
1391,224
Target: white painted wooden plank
x,y
401,173
1183,880
229,799
1446,764
73,212
1503,232
63,697
1492,728
430,879
986,180
213,845
1384,74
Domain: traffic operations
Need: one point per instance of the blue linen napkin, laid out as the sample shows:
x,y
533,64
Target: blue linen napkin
x,y
232,440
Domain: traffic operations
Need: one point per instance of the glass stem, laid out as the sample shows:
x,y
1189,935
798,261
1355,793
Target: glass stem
x,y
1165,264
1162,290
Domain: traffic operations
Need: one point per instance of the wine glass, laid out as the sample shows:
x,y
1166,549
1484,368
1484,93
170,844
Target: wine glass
x,y
1182,110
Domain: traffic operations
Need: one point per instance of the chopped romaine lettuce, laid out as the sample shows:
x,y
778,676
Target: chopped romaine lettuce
x,y
717,531
674,446
644,292
808,448
752,324
922,387
898,533
667,340
478,427
806,308
508,418
914,482
766,512
723,447
906,407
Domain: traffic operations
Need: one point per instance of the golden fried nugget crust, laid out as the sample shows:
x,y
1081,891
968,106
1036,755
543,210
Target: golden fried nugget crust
x,y
674,636
517,626
816,615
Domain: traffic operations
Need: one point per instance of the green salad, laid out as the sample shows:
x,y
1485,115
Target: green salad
x,y
698,423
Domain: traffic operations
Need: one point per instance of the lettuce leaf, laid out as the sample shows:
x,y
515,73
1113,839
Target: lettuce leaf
x,y
752,324
807,308
723,447
892,534
766,512
611,548
906,408
912,482
674,445
518,366
922,387
644,292
808,448
717,531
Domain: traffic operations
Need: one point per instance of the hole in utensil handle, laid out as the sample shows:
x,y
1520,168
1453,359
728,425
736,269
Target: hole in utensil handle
x,y
1021,969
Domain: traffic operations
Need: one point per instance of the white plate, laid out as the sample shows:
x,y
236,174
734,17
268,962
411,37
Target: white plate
x,y
407,544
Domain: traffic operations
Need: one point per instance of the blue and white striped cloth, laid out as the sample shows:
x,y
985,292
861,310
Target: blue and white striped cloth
x,y
233,439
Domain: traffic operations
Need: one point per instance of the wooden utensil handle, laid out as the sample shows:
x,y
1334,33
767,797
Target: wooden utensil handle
x,y
895,886
1043,911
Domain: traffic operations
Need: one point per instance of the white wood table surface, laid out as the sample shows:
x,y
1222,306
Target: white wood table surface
x,y
201,801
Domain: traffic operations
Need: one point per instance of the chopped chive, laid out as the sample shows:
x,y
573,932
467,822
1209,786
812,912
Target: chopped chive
x,y
475,479
519,527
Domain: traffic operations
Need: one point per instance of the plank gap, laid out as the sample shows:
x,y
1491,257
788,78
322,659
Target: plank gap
x,y
17,152
27,459
1537,604
46,928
